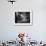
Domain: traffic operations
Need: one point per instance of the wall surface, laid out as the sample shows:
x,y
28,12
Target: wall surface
x,y
8,31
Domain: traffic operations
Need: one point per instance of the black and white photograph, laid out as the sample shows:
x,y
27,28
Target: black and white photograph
x,y
23,18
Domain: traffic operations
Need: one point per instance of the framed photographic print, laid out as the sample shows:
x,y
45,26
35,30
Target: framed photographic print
x,y
23,18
